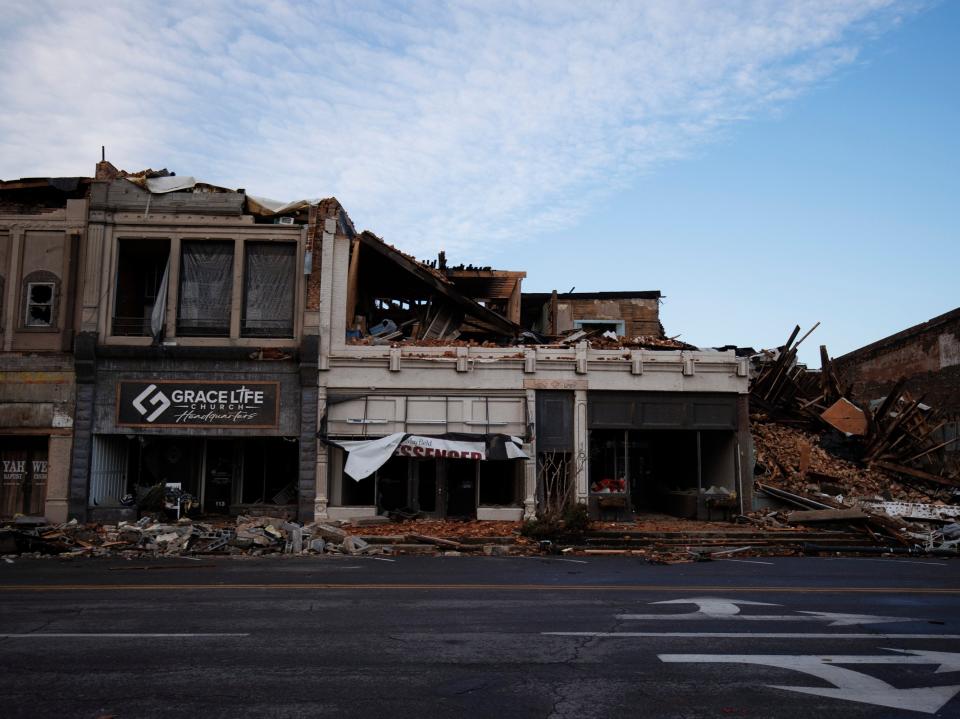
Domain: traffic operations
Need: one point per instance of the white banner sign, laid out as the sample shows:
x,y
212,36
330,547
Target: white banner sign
x,y
364,457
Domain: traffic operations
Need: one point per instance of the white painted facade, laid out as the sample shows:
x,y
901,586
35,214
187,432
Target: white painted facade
x,y
464,389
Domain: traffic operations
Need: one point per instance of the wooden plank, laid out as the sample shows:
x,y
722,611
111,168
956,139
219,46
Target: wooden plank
x,y
916,473
826,515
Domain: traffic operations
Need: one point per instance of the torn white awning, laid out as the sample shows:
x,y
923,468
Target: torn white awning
x,y
364,457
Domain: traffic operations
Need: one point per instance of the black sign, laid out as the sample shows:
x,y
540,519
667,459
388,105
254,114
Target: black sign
x,y
175,403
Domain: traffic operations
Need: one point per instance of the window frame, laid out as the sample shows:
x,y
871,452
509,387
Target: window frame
x,y
40,277
178,320
244,331
294,235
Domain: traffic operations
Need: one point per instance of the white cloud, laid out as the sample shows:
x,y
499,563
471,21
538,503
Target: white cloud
x,y
436,125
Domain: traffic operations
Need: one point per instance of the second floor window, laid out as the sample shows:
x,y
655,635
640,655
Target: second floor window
x,y
270,281
40,296
206,288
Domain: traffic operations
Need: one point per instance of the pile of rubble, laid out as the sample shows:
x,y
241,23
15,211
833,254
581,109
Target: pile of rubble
x,y
649,342
898,435
874,469
252,536
793,459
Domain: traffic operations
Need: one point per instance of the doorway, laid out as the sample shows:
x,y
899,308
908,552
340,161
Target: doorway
x,y
221,470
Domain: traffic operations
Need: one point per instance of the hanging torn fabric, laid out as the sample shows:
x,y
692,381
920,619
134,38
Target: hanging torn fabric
x,y
364,457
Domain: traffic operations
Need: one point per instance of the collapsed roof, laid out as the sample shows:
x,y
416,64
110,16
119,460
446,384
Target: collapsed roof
x,y
393,297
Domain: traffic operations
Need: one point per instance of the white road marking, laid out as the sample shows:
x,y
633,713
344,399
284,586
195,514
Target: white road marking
x,y
871,559
382,559
558,559
745,561
752,635
728,609
849,685
108,635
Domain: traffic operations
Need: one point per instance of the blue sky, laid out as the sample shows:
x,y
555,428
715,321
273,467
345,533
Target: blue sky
x,y
761,163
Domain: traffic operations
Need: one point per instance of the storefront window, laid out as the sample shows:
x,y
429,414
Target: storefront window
x,y
608,461
359,492
500,483
392,481
23,475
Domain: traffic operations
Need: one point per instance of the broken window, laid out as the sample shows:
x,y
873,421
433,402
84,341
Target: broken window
x,y
616,326
141,269
40,299
359,493
270,282
206,288
270,471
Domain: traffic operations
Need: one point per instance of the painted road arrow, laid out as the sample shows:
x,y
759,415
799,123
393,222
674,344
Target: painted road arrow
x,y
850,685
719,608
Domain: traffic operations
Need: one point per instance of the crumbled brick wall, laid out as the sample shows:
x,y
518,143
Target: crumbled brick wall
x,y
929,357
328,208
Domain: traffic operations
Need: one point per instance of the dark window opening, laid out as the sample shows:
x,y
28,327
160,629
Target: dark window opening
x,y
164,460
358,493
40,304
427,485
141,270
206,288
392,480
500,483
269,286
461,488
270,470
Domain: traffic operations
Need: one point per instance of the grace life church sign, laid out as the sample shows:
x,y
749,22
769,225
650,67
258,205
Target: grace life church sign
x,y
212,404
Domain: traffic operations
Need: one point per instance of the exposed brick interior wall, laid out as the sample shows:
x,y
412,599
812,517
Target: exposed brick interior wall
x,y
640,316
928,354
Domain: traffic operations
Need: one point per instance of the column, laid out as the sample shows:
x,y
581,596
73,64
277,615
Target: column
x,y
580,444
530,466
321,497
59,449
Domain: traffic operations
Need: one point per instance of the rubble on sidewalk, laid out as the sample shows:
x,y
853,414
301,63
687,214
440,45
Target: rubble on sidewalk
x,y
256,536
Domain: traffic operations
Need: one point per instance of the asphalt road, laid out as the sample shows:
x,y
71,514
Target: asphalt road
x,y
480,637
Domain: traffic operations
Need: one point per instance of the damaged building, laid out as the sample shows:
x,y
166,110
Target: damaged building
x,y
242,356
42,222
432,402
196,349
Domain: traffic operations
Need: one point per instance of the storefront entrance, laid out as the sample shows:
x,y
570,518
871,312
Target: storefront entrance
x,y
659,470
435,488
